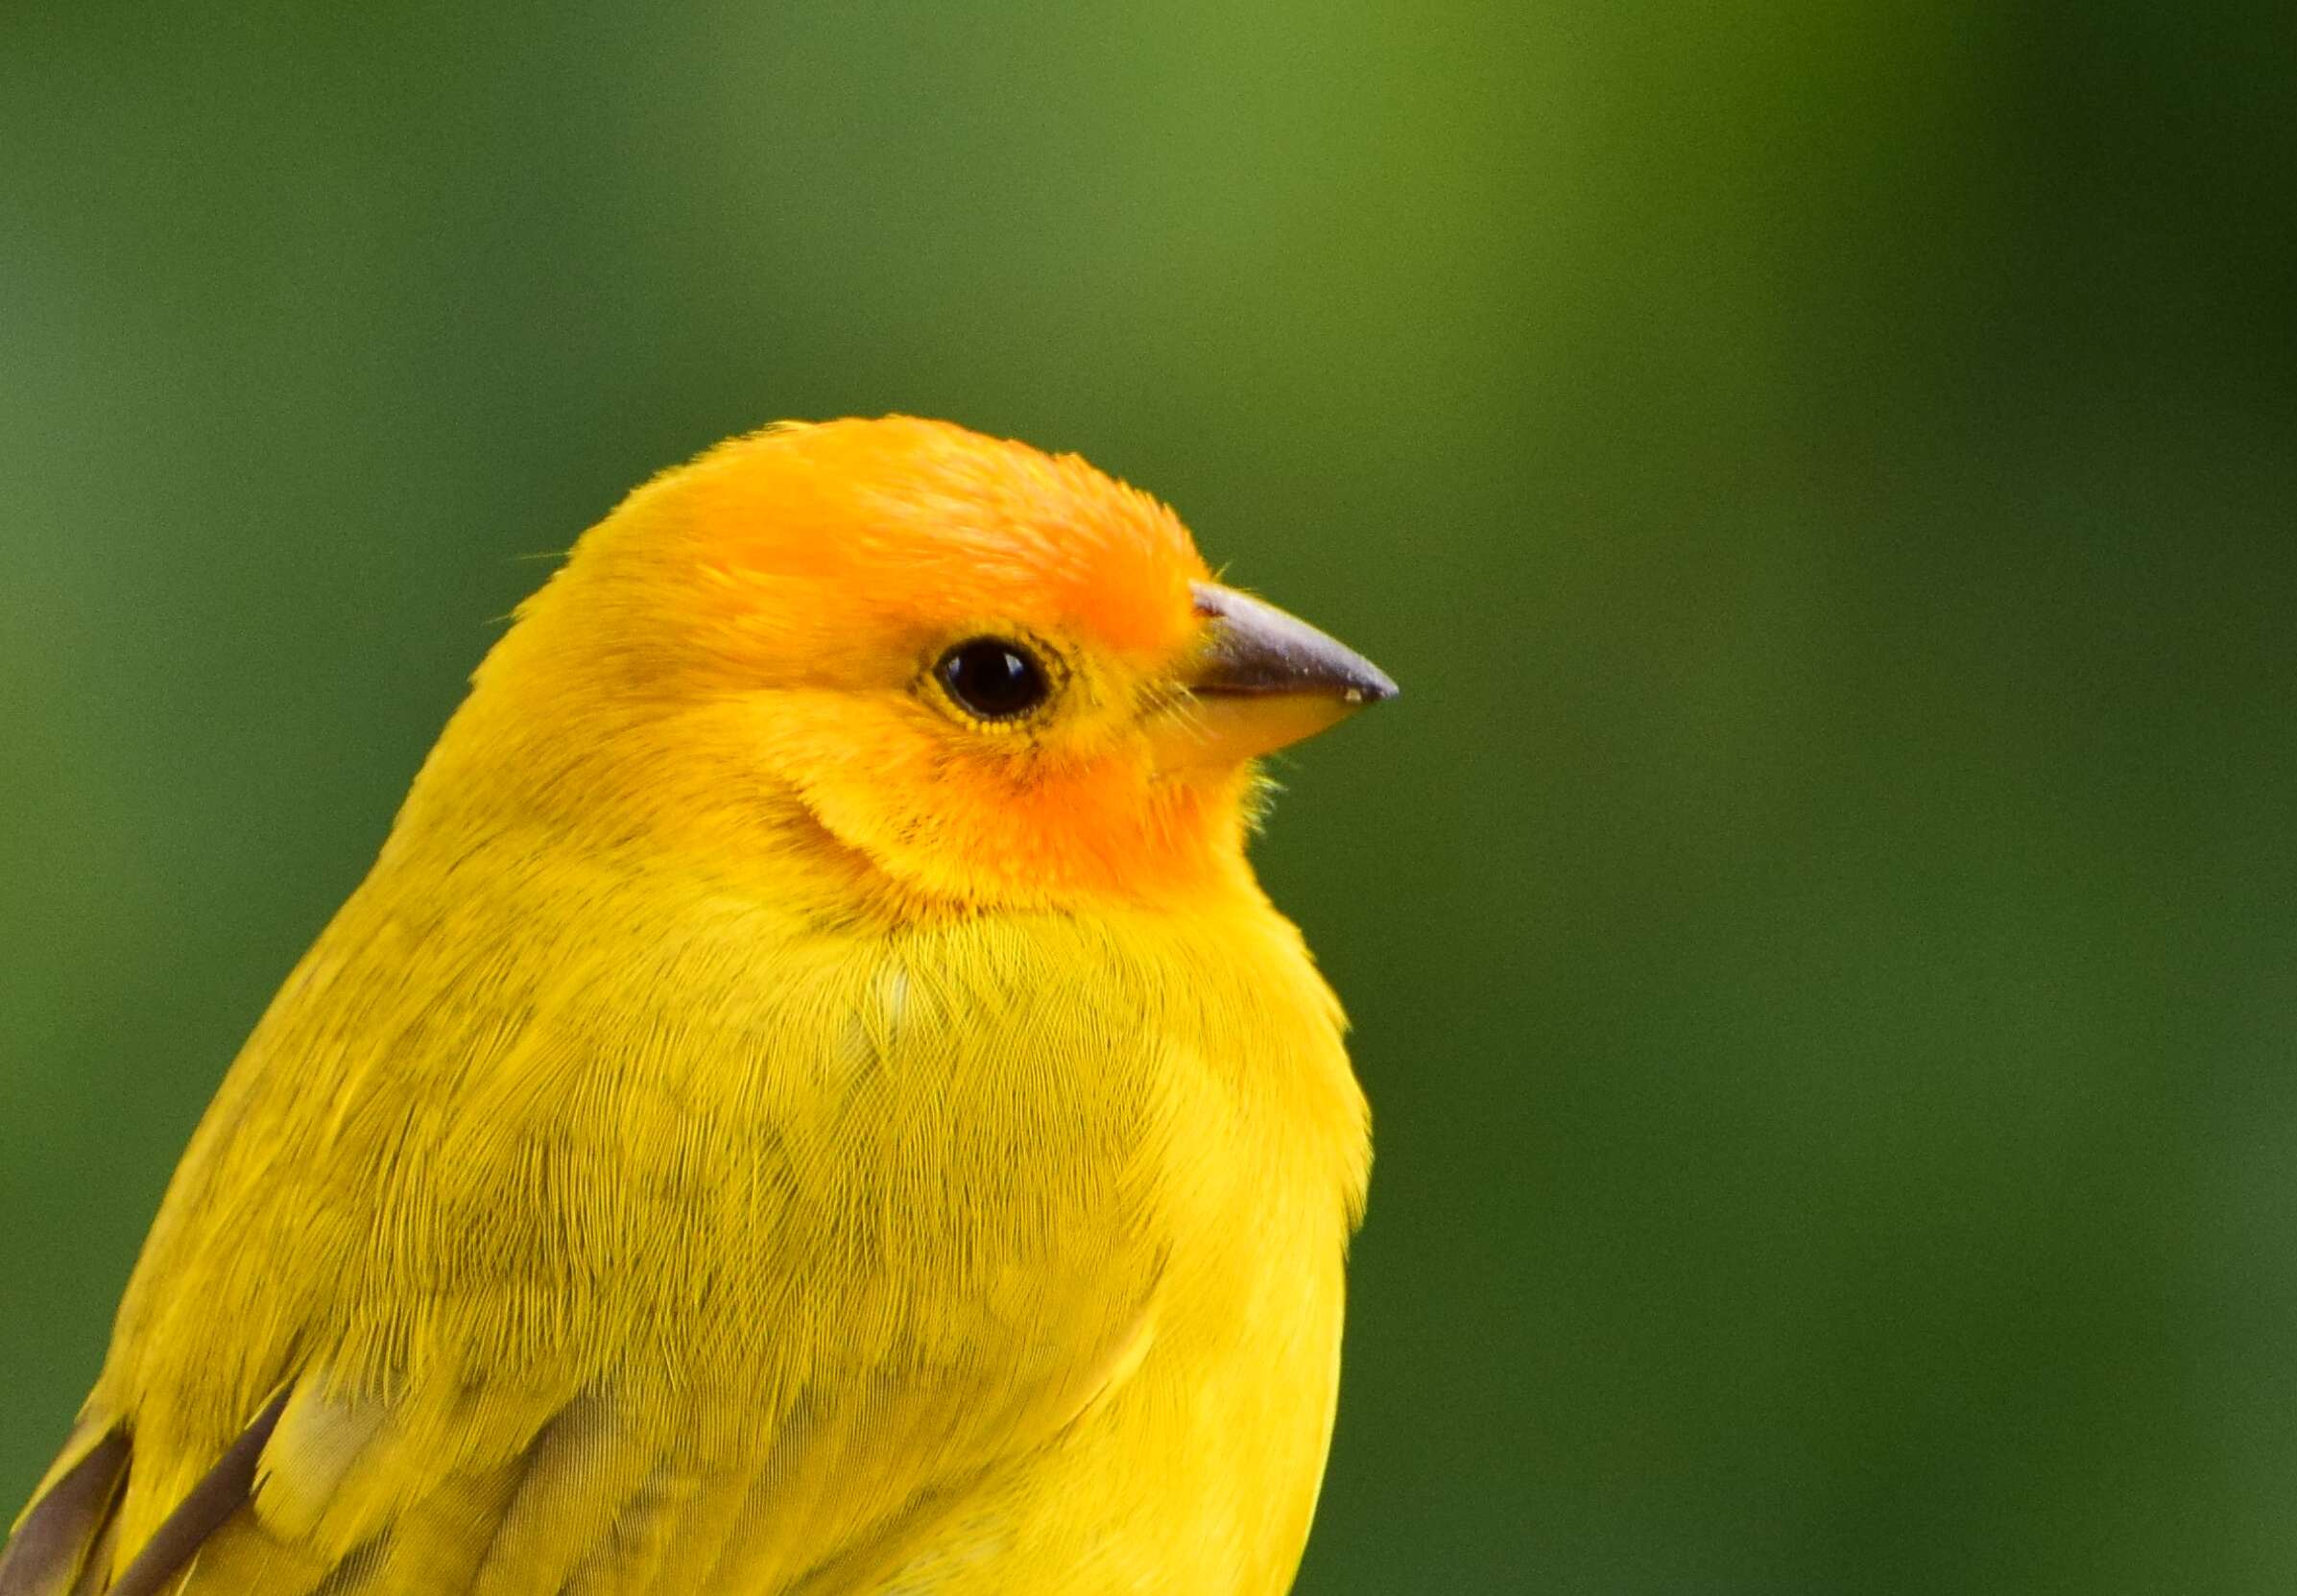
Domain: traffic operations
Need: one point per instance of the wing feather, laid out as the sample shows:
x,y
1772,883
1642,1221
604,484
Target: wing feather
x,y
53,1543
222,1491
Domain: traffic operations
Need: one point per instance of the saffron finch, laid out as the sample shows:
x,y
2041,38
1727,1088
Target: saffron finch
x,y
810,1097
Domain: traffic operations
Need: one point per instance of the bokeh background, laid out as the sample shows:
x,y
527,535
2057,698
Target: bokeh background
x,y
1821,923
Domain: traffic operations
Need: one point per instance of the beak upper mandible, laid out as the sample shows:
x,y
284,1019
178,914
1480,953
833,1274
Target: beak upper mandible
x,y
1257,648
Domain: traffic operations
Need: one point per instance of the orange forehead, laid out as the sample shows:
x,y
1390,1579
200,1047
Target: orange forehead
x,y
919,525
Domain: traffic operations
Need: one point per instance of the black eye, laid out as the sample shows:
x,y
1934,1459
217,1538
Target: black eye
x,y
994,678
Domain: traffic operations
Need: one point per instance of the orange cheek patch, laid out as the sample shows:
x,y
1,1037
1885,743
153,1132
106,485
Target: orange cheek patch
x,y
974,822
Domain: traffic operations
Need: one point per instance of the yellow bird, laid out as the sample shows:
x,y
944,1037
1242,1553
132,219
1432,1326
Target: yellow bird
x,y
810,1099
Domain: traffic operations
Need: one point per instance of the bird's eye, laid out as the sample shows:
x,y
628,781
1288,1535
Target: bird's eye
x,y
992,677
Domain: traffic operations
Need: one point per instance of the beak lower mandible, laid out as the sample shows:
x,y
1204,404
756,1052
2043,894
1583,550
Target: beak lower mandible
x,y
1261,680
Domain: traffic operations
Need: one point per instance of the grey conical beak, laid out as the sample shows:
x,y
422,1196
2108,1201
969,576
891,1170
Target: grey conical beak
x,y
1254,647
1260,680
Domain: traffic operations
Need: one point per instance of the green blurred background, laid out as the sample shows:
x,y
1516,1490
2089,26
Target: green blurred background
x,y
1820,923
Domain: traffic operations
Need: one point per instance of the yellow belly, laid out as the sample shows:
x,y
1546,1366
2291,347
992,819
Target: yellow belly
x,y
1197,1474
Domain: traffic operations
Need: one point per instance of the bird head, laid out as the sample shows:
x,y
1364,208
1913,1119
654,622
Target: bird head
x,y
976,672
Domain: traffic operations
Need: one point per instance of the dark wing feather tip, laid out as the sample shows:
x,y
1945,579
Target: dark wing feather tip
x,y
220,1494
43,1557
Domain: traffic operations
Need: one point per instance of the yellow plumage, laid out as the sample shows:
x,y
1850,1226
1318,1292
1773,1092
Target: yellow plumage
x,y
762,1126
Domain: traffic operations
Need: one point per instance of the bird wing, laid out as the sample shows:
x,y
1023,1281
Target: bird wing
x,y
755,1296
